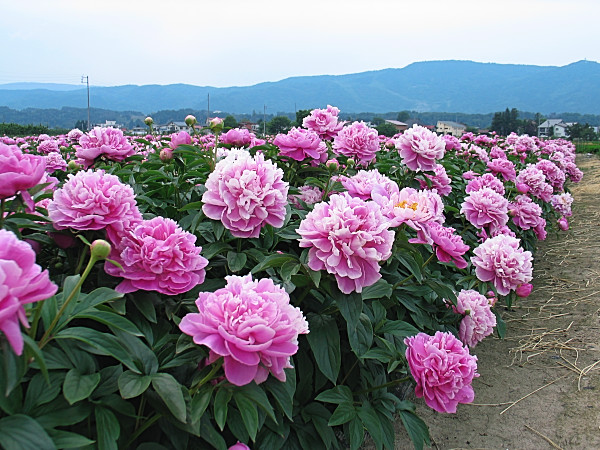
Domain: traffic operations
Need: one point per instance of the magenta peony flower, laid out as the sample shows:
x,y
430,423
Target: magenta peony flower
x,y
535,181
239,446
241,137
18,171
362,184
562,204
448,246
525,212
251,324
48,146
478,321
349,238
420,147
157,255
181,138
451,142
21,281
554,176
443,369
357,141
324,122
94,200
503,262
485,207
300,144
439,181
54,162
524,290
245,194
563,223
486,180
107,142
504,167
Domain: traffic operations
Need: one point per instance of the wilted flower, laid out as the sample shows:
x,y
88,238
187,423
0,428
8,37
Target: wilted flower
x,y
478,321
246,193
502,261
348,237
420,147
21,281
324,122
18,171
107,142
300,144
251,324
157,255
443,369
357,140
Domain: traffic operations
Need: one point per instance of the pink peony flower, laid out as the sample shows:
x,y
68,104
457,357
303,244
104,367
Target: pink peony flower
x,y
48,146
485,208
301,144
245,194
240,137
562,204
251,324
181,138
452,143
524,290
439,181
535,180
18,171
239,446
54,162
324,122
420,147
554,176
107,142
503,262
94,200
157,255
21,281
448,246
74,134
308,194
563,223
504,167
478,321
357,141
349,238
486,180
525,212
362,184
443,369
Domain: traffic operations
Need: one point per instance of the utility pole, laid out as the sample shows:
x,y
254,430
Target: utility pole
x,y
264,120
87,81
207,108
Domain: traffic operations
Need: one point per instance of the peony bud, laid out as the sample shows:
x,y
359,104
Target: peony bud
x,y
563,223
216,124
332,164
166,154
190,120
100,249
524,290
148,121
522,188
73,165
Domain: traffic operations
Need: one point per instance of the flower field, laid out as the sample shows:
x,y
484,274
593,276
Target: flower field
x,y
221,290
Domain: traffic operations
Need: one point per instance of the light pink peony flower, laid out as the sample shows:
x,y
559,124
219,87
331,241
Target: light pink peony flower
x,y
74,134
357,141
562,204
107,142
448,246
535,181
525,212
478,321
554,176
420,147
439,181
245,194
54,162
251,324
301,144
362,184
308,194
443,369
486,180
504,167
21,281
485,208
18,171
502,261
452,143
348,237
157,255
48,146
94,200
324,122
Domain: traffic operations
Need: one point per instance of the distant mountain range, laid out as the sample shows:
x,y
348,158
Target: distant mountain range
x,y
449,86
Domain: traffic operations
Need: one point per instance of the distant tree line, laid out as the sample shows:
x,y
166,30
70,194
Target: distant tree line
x,y
15,130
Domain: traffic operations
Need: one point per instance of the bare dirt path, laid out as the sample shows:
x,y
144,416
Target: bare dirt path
x,y
540,387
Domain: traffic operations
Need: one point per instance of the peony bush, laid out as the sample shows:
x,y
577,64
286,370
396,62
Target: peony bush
x,y
223,290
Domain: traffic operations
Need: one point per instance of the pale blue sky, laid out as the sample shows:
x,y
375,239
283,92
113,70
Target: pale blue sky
x,y
244,42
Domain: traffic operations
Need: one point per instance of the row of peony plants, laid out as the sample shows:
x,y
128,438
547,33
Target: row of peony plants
x,y
221,290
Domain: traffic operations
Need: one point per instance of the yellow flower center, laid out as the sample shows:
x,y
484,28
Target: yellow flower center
x,y
404,204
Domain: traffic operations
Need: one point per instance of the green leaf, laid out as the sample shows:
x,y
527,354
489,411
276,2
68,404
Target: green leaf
x,y
408,261
344,412
64,417
350,306
67,439
338,394
200,402
24,433
372,423
500,324
107,428
210,250
192,205
398,328
132,384
356,433
236,261
378,290
257,395
361,337
324,341
272,261
249,413
210,435
220,406
144,303
144,358
416,428
95,298
111,319
284,392
32,349
40,392
78,386
169,391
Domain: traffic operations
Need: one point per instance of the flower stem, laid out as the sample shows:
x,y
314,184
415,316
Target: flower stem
x,y
385,385
2,212
143,428
208,377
